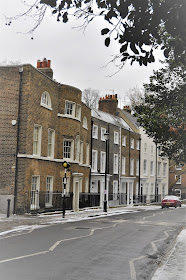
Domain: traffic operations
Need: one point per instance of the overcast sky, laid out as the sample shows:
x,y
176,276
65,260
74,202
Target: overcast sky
x,y
77,58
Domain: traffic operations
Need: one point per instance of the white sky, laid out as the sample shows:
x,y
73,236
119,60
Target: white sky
x,y
77,58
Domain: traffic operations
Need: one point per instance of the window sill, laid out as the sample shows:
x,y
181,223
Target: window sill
x,y
46,107
68,117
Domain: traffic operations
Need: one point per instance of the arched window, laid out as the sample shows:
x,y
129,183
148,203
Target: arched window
x,y
85,122
46,100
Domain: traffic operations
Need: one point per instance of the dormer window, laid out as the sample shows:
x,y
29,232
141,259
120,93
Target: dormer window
x,y
46,100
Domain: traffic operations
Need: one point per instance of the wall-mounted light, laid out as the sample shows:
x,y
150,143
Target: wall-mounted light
x,y
14,122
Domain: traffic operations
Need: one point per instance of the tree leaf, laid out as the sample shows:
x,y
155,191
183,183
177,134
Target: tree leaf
x,y
107,41
105,31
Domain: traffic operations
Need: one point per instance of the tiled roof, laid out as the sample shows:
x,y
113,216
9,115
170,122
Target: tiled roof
x,y
108,118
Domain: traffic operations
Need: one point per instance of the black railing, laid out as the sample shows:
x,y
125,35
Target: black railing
x,y
89,200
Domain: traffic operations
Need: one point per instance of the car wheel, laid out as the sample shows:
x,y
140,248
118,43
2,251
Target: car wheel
x,y
175,206
162,207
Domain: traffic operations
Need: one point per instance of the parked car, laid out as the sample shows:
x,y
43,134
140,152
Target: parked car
x,y
170,201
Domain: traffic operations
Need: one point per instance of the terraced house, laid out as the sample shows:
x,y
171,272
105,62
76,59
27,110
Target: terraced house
x,y
43,123
115,159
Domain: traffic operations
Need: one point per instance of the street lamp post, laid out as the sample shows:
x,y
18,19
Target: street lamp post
x,y
65,165
106,134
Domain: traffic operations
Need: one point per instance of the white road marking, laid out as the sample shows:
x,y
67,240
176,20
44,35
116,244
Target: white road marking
x,y
25,256
132,267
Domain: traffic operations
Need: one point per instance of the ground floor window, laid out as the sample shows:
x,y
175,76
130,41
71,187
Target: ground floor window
x,y
49,191
35,185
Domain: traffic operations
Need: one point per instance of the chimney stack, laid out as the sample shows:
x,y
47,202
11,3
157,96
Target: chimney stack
x,y
109,104
127,109
44,66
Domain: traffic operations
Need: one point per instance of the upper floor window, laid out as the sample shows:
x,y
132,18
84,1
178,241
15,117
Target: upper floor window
x,y
116,137
132,167
81,151
164,169
94,160
151,168
68,149
87,153
85,125
49,191
103,131
179,179
137,167
178,167
77,148
102,162
95,132
159,168
132,143
50,149
145,147
123,140
145,167
137,144
70,108
152,150
123,165
46,100
78,112
115,165
37,140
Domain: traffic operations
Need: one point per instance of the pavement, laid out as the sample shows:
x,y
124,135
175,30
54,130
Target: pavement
x,y
172,267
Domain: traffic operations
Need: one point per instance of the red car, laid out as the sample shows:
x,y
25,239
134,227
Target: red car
x,y
170,201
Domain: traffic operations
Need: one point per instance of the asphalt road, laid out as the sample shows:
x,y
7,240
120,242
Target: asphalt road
x,y
120,247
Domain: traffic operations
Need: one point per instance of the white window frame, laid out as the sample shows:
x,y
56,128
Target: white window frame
x,y
49,191
115,190
116,137
35,187
137,167
102,162
51,143
159,169
152,150
103,131
87,153
85,124
81,151
70,108
71,153
37,140
132,143
124,140
145,147
46,100
145,167
152,168
95,131
115,164
78,111
137,145
77,148
131,166
94,160
164,169
179,180
123,165
178,167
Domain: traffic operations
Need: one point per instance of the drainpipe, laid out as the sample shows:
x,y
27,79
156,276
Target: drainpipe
x,y
139,168
17,148
156,175
129,151
119,179
90,154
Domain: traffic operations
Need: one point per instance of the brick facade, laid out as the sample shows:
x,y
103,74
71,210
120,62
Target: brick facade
x,y
33,113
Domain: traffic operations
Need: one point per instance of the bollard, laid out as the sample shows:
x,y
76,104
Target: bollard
x,y
8,208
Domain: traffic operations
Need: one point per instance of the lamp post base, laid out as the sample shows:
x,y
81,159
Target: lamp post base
x,y
105,206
